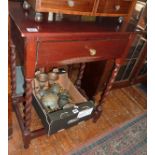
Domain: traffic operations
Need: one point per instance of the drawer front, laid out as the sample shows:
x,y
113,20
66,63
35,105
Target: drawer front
x,y
59,53
67,5
114,6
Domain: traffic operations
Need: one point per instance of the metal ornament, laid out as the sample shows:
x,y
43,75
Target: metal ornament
x,y
50,101
52,77
55,89
42,79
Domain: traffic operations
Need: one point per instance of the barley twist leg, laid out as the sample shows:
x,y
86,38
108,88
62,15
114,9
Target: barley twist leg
x,y
99,107
27,112
13,72
80,76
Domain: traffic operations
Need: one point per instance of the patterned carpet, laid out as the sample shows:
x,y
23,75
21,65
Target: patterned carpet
x,y
129,139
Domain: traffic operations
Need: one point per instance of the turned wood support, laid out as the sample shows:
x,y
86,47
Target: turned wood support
x,y
13,69
13,73
28,104
80,76
99,107
26,138
27,113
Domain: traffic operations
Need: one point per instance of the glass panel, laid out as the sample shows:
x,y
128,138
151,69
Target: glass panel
x,y
139,48
120,73
136,47
143,69
125,70
132,49
128,69
134,52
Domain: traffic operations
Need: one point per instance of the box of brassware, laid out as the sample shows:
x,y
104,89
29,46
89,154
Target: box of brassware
x,y
58,102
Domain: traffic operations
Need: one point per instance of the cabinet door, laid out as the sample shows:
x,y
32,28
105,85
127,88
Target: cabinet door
x,y
139,73
133,65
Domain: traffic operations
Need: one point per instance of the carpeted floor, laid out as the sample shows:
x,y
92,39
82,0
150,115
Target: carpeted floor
x,y
129,139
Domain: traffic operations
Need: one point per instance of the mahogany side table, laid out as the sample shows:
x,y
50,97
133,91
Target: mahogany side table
x,y
60,43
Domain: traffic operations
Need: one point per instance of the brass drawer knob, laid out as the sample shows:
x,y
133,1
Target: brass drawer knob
x,y
92,52
71,3
117,7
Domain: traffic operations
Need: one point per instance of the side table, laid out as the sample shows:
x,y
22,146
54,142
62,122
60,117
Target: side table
x,y
60,43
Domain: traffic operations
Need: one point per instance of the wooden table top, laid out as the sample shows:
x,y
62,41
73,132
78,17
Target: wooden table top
x,y
24,21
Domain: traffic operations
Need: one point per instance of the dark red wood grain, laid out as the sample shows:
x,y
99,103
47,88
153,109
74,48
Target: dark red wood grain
x,y
78,51
61,29
108,6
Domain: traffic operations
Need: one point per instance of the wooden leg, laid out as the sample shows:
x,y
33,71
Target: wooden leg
x,y
99,107
13,72
27,113
80,76
26,139
10,130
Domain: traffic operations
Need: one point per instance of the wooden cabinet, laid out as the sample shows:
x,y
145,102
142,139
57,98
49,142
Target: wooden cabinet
x,y
139,72
134,68
84,7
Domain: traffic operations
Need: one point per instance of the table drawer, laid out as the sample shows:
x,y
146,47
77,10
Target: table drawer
x,y
66,5
69,52
114,6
